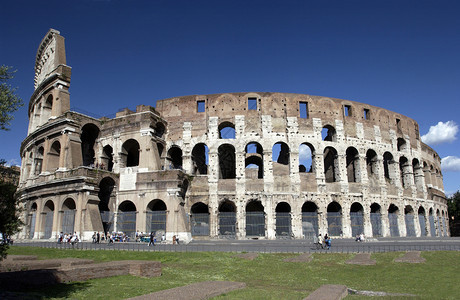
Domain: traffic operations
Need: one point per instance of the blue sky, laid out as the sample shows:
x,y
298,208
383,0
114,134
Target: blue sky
x,y
399,55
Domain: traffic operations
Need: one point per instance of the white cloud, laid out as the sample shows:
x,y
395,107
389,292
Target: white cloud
x,y
13,162
441,133
450,163
304,153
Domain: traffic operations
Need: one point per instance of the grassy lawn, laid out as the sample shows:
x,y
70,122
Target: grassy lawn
x,y
266,277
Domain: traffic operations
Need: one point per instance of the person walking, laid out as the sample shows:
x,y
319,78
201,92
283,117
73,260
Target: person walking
x,y
320,242
152,239
98,237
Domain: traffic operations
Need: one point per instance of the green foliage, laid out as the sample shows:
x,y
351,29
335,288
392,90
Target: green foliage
x,y
266,277
9,212
453,208
9,101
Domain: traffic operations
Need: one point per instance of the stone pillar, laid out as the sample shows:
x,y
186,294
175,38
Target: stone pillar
x,y
270,218
367,220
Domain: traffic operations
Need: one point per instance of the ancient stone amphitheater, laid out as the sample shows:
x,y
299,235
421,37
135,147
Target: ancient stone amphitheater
x,y
233,165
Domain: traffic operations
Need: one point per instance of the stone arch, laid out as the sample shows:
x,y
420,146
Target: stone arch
x,y
405,171
199,218
255,218
281,159
48,215
175,157
107,158
32,219
376,219
254,160
38,161
310,224
160,129
226,130
130,153
331,164
54,155
352,163
200,159
156,216
47,109
431,219
401,144
357,219
68,216
328,133
126,218
388,166
89,134
422,221
371,163
418,174
409,217
227,161
283,220
306,158
227,218
334,219
393,212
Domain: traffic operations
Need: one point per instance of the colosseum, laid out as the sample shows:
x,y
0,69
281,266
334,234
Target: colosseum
x,y
233,165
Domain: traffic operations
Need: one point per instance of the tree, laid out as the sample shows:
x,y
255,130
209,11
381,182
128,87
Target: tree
x,y
453,208
9,210
9,101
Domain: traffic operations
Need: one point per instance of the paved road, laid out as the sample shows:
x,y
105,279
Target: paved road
x,y
272,246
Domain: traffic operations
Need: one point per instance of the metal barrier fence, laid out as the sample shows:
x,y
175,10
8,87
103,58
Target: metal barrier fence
x,y
310,224
410,225
68,221
48,224
357,223
393,220
334,223
279,248
376,222
283,225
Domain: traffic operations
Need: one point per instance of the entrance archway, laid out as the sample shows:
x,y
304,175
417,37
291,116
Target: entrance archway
x,y
310,219
283,220
156,217
334,219
199,217
227,219
255,219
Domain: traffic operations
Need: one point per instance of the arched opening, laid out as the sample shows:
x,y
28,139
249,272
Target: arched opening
x,y
53,156
310,226
432,223
328,133
48,215
68,216
422,221
47,109
254,161
334,219
107,158
393,212
255,219
331,164
306,153
32,219
371,164
352,161
199,217
283,220
156,214
357,219
227,219
160,129
175,156
39,161
226,130
280,159
130,153
388,166
404,169
439,223
89,134
401,144
227,164
200,159
444,224
409,218
126,218
376,220
106,187
418,174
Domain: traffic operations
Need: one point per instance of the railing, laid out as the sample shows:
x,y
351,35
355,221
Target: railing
x,y
262,248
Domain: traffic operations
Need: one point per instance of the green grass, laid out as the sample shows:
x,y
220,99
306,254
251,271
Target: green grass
x,y
266,277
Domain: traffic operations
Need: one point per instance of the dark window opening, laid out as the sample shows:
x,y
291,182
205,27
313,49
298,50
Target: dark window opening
x,y
347,110
367,114
227,164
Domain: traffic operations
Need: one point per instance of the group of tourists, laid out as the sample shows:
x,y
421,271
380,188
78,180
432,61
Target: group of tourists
x,y
68,238
322,242
360,238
